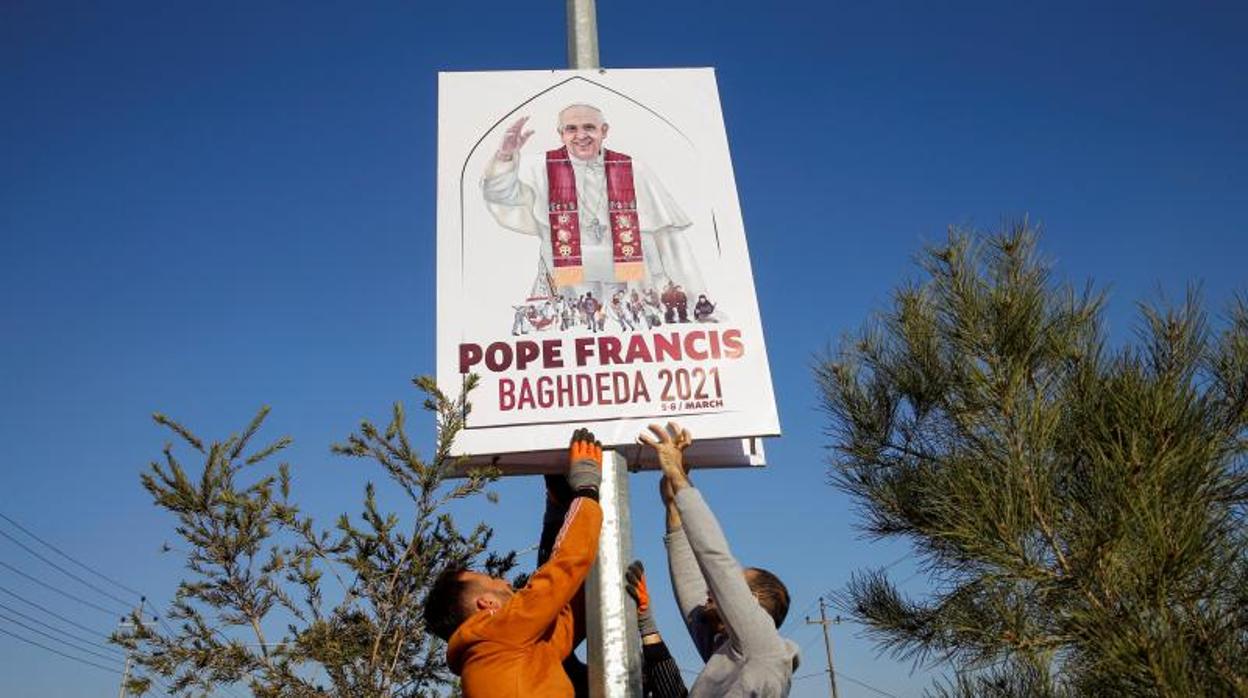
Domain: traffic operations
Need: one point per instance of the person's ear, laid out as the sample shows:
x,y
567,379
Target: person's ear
x,y
605,128
487,602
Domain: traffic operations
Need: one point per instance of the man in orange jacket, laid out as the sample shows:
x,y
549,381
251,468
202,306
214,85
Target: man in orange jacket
x,y
502,642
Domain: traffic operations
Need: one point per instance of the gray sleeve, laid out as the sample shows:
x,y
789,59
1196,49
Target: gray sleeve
x,y
750,628
690,590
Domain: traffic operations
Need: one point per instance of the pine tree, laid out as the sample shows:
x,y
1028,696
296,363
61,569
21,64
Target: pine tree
x,y
284,608
1079,506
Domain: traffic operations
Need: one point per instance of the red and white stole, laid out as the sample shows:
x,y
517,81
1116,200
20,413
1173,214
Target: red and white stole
x,y
565,219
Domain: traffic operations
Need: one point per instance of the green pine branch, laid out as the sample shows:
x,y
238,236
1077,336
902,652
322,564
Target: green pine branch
x,y
254,609
1079,508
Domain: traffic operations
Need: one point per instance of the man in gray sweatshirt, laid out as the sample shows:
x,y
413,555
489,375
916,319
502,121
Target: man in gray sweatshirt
x,y
733,615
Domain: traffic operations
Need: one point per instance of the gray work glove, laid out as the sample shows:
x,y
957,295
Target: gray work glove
x,y
584,464
635,583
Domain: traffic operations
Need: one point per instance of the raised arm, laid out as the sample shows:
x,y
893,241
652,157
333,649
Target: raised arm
x,y
559,497
660,676
514,139
749,627
530,613
508,199
669,445
687,583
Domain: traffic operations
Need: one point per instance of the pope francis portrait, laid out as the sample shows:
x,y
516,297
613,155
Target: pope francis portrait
x,y
604,221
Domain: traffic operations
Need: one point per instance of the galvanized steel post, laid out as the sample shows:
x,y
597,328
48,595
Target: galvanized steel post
x,y
614,644
611,627
582,35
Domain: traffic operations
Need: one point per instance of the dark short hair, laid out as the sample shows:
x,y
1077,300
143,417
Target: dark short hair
x,y
444,606
772,595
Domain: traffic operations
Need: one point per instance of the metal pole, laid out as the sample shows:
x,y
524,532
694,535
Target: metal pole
x,y
611,628
582,35
827,641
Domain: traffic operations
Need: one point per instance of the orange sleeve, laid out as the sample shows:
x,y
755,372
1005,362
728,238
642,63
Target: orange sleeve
x,y
532,611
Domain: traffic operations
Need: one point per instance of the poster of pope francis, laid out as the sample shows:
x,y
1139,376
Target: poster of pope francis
x,y
592,261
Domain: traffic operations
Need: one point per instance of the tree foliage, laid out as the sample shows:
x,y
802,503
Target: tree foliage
x,y
1079,507
285,608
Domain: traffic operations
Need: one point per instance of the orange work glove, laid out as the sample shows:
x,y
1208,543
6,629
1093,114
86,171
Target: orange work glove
x,y
584,463
635,583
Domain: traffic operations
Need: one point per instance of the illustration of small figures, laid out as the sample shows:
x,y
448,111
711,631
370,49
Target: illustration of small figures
x,y
703,309
520,324
652,307
634,306
567,316
582,317
621,313
557,309
543,318
676,304
591,307
653,315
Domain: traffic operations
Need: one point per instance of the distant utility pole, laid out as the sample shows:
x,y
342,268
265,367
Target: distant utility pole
x,y
125,623
827,641
125,676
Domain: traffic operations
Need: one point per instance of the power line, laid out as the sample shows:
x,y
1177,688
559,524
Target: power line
x,y
101,575
896,562
865,685
811,606
66,594
159,618
64,571
813,639
143,599
847,677
831,593
154,678
54,638
907,579
831,673
66,633
67,556
54,614
137,667
55,651
824,622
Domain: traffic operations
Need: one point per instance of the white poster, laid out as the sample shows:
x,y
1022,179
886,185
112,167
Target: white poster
x,y
592,263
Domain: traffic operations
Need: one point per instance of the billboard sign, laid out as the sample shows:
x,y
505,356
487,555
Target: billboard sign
x,y
592,261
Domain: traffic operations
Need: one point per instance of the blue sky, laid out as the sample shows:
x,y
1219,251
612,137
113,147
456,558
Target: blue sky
x,y
208,207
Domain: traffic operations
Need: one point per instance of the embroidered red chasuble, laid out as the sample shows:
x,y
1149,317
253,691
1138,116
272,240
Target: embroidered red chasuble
x,y
565,219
